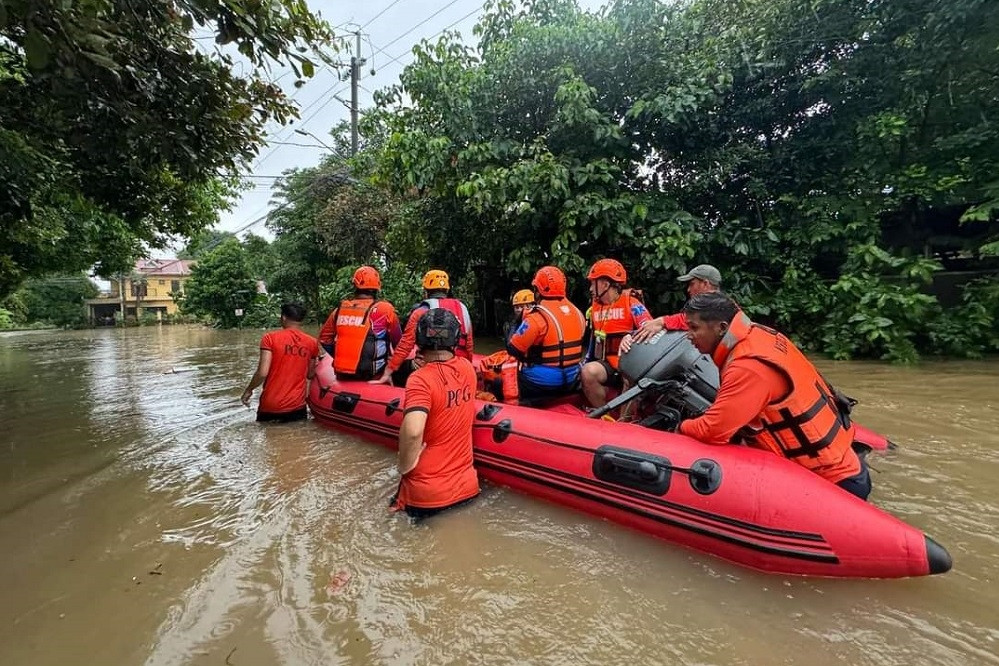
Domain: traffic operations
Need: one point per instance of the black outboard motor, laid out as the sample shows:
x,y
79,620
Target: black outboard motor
x,y
670,355
673,380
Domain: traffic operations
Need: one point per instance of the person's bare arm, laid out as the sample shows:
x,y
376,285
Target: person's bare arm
x,y
411,443
263,367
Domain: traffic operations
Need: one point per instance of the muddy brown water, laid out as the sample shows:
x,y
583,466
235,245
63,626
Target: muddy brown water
x,y
146,519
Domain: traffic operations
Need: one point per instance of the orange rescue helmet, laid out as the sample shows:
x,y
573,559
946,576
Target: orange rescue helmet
x,y
436,279
550,281
610,269
367,277
523,297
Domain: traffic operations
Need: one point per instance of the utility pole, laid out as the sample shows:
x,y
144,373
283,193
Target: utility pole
x,y
355,76
121,296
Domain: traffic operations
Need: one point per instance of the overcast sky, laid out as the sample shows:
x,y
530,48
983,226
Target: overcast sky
x,y
390,29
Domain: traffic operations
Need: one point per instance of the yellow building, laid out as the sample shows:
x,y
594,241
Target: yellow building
x,y
148,290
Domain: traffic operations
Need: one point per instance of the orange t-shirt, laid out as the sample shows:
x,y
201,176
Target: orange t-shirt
x,y
286,384
444,474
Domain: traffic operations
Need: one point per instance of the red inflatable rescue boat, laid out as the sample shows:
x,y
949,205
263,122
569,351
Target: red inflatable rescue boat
x,y
741,504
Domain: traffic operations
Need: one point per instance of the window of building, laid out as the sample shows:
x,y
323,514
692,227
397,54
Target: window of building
x,y
175,286
162,282
139,290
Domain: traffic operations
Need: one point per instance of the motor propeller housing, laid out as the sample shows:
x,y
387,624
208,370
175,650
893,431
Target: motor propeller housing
x,y
669,355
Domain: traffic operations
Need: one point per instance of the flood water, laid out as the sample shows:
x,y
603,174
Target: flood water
x,y
145,518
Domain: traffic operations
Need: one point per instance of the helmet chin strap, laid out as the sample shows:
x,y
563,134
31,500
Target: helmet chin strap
x,y
600,295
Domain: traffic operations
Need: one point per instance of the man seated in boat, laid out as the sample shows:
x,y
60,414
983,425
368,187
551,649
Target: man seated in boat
x,y
700,279
287,361
615,313
436,294
522,301
770,396
435,438
499,369
549,341
362,330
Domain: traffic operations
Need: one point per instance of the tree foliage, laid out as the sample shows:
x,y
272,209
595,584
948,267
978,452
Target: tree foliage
x,y
334,217
57,300
202,242
809,148
117,131
220,284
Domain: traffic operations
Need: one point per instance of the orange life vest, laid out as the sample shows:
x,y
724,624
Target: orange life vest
x,y
355,344
503,367
458,309
611,323
562,345
804,424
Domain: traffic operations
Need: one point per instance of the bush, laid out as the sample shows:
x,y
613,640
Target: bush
x,y
180,318
6,319
264,312
876,308
58,300
799,307
972,328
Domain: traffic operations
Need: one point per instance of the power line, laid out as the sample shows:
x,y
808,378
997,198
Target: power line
x,y
292,143
284,132
418,25
288,202
394,59
399,57
306,120
379,14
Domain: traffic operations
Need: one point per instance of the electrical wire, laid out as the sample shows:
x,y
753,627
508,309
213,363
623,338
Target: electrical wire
x,y
379,14
418,25
398,58
392,59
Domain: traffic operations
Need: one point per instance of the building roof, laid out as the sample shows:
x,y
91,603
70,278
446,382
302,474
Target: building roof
x,y
167,267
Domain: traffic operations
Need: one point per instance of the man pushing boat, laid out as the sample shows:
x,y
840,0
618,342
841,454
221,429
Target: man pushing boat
x,y
770,396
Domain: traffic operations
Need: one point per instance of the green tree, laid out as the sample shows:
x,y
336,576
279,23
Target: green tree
x,y
13,312
58,300
260,256
220,284
117,132
334,216
782,140
202,242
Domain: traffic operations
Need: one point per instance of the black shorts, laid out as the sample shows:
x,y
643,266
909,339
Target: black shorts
x,y
860,483
283,417
418,514
401,376
614,379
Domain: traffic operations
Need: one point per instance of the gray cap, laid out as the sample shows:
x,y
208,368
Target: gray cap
x,y
704,272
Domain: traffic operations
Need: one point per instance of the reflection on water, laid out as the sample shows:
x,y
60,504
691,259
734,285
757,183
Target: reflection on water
x,y
145,518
